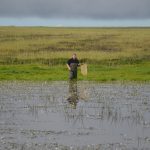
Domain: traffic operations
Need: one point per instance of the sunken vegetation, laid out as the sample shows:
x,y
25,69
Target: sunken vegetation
x,y
40,53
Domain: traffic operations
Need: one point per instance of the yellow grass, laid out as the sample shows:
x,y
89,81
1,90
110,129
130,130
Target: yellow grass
x,y
41,53
59,43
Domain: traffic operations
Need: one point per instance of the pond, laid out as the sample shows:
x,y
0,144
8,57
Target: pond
x,y
74,115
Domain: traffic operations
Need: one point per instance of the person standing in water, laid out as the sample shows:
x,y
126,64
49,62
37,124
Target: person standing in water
x,y
72,65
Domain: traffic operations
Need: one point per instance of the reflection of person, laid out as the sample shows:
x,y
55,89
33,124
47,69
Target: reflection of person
x,y
73,98
72,65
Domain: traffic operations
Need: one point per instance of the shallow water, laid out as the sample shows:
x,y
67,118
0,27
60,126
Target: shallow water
x,y
62,115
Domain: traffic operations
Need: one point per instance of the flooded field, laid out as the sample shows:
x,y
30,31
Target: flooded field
x,y
74,116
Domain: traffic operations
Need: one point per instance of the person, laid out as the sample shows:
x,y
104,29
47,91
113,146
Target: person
x,y
72,65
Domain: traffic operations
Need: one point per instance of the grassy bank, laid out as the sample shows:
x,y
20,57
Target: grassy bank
x,y
103,73
40,53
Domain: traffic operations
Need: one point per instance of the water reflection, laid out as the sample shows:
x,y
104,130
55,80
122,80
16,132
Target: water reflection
x,y
108,116
73,94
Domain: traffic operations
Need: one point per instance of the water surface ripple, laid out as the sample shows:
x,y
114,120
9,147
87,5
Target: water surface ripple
x,y
82,115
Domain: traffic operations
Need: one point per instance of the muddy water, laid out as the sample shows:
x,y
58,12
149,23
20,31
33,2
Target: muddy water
x,y
83,115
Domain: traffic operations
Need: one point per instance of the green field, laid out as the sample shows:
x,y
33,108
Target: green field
x,y
40,53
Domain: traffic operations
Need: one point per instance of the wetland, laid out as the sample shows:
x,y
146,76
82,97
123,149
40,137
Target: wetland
x,y
74,115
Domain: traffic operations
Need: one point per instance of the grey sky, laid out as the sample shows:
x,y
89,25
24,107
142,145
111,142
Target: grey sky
x,y
90,9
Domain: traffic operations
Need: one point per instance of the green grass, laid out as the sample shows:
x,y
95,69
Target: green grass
x,y
136,72
102,73
32,72
40,53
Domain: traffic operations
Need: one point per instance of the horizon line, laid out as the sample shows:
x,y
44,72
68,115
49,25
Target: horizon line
x,y
75,26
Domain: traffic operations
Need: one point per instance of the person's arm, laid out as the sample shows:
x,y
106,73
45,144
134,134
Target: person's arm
x,y
68,64
78,63
68,67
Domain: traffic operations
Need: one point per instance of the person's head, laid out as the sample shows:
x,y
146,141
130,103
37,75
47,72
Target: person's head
x,y
74,56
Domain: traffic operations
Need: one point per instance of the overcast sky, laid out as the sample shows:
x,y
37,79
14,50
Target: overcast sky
x,y
75,12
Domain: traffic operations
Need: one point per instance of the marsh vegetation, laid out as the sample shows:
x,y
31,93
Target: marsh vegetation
x,y
40,53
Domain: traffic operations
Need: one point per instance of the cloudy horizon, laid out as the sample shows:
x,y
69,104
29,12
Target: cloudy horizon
x,y
75,12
